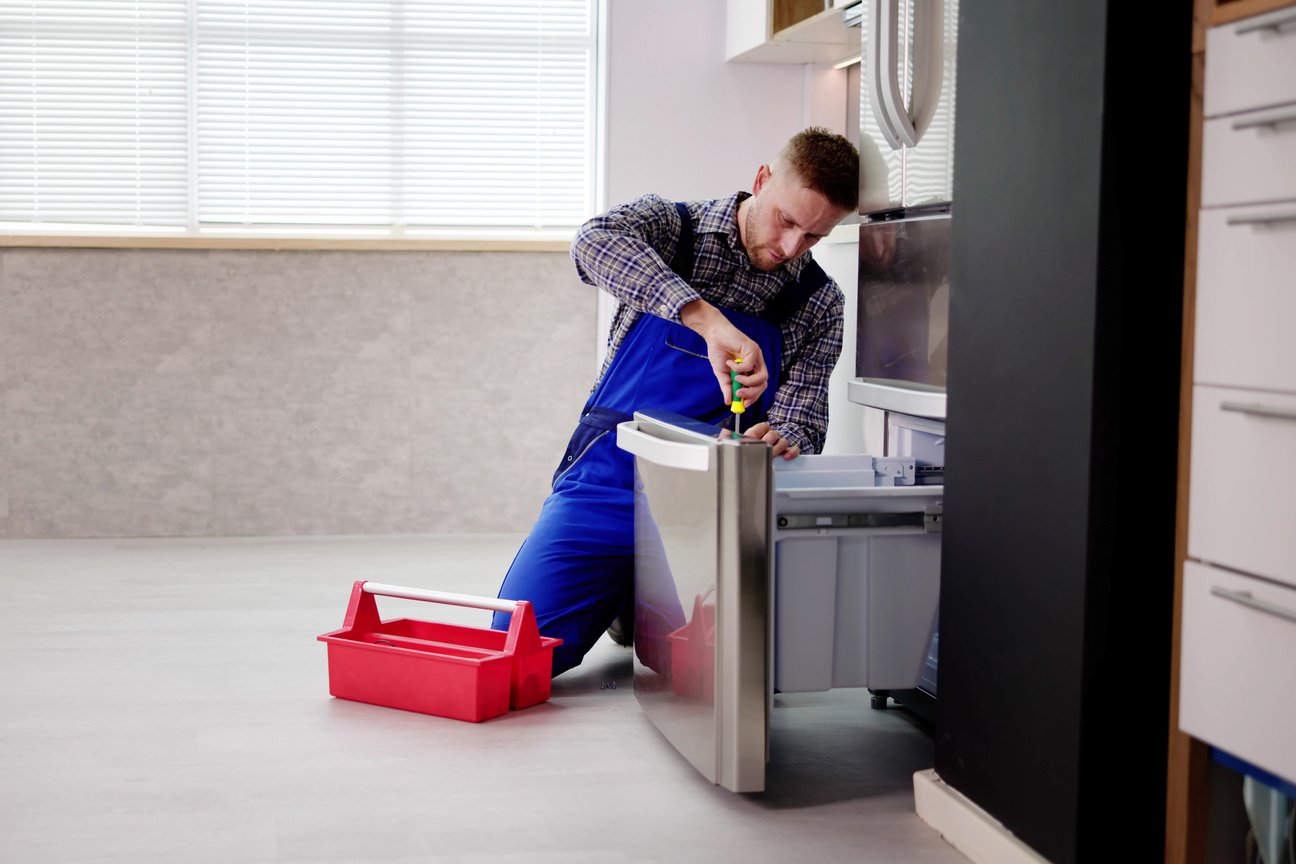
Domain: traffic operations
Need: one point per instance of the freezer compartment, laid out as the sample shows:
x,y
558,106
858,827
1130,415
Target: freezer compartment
x,y
856,579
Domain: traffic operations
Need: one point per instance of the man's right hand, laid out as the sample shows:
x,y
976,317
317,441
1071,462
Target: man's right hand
x,y
728,348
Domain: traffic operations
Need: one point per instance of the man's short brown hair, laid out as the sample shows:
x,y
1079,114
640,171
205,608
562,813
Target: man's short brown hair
x,y
826,162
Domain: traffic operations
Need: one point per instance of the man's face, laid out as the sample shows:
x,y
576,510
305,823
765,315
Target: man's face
x,y
784,219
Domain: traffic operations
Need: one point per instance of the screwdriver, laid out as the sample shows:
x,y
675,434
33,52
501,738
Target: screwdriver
x,y
736,406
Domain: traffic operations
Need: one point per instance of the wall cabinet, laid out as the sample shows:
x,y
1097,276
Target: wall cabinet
x,y
791,31
1234,680
1243,460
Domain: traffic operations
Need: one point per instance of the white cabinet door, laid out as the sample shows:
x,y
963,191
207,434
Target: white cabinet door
x,y
1237,679
1250,158
1246,297
1241,510
1251,64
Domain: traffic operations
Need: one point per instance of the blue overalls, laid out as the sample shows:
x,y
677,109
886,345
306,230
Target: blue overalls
x,y
577,565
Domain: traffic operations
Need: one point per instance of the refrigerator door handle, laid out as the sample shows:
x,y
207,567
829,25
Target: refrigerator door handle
x,y
928,63
888,105
669,454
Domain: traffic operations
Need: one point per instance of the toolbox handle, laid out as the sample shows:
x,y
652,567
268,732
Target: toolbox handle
x,y
523,636
449,597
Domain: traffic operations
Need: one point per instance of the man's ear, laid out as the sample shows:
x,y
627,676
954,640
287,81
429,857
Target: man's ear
x,y
762,176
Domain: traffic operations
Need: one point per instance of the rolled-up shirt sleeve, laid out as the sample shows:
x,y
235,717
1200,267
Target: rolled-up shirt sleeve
x,y
799,411
624,252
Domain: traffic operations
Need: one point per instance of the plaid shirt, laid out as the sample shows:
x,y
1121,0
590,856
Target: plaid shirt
x,y
625,252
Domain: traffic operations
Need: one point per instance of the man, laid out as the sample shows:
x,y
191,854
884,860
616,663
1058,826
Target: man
x,y
705,288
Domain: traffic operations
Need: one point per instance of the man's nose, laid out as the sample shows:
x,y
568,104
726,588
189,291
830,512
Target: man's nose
x,y
790,246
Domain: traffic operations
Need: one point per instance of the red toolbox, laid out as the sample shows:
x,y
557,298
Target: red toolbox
x,y
466,673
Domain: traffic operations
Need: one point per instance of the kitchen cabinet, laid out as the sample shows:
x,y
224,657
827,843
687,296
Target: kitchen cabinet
x,y
1233,686
791,31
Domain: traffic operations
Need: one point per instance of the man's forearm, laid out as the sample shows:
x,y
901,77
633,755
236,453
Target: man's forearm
x,y
701,317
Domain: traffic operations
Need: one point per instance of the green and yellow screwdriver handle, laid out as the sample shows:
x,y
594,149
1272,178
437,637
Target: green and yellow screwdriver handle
x,y
736,405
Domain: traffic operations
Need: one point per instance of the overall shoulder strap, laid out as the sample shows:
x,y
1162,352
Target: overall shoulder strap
x,y
682,263
790,300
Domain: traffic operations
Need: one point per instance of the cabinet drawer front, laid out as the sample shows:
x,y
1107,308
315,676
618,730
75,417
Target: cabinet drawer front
x,y
1237,679
1241,510
1251,64
1250,158
1246,298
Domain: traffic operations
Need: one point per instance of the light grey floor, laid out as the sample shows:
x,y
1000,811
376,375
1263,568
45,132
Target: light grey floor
x,y
167,701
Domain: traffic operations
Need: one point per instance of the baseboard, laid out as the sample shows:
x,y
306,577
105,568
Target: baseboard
x,y
965,826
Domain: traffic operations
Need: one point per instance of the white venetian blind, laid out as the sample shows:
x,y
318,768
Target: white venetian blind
x,y
382,117
297,112
497,111
93,112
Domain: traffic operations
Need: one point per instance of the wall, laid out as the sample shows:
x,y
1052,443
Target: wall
x,y
170,393
681,121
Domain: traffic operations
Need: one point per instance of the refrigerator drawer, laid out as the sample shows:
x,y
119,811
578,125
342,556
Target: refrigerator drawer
x,y
1250,158
856,580
1237,684
1245,301
1252,63
854,610
1240,509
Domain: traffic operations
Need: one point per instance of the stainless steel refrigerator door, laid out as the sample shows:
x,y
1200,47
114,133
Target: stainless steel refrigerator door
x,y
907,91
903,301
702,626
929,165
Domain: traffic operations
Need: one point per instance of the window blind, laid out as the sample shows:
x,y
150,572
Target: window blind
x,y
372,117
93,112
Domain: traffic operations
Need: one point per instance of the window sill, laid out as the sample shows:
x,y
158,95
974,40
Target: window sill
x,y
273,244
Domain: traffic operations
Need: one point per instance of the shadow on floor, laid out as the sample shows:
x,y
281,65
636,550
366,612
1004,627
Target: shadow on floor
x,y
833,746
824,747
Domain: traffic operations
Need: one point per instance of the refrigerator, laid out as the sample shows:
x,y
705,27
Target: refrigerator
x,y
907,89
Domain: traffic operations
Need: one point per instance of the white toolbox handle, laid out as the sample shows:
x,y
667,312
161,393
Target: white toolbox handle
x,y
440,597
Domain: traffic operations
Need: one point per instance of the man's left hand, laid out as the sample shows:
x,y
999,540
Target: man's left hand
x,y
781,446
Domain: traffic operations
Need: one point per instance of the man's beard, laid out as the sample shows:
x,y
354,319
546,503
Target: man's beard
x,y
753,250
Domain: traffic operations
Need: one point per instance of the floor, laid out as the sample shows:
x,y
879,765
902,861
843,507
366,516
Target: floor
x,y
167,701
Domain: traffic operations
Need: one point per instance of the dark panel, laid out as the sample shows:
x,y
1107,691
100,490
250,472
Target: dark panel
x,y
1129,592
1063,377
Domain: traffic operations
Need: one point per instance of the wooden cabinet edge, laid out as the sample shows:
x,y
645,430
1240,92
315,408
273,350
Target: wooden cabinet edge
x,y
1186,769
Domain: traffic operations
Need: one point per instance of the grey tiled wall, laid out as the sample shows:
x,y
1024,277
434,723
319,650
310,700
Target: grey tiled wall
x,y
215,393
